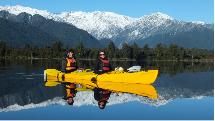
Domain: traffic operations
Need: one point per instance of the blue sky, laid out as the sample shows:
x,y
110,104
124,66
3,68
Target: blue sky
x,y
187,10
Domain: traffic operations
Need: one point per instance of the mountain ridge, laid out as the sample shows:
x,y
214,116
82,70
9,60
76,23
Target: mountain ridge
x,y
124,29
68,34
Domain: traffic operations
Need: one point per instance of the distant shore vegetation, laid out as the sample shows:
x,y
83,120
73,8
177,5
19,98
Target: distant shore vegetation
x,y
128,52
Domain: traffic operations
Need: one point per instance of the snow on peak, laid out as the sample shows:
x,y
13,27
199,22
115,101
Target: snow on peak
x,y
154,18
98,23
161,15
147,25
17,9
198,22
97,18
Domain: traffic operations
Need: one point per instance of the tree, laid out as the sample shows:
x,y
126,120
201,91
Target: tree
x,y
126,51
173,51
159,51
111,49
56,49
27,51
80,49
135,50
3,48
144,53
57,46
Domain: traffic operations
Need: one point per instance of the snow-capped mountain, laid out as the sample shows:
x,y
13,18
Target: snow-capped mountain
x,y
151,25
40,31
149,29
99,24
143,27
16,10
199,22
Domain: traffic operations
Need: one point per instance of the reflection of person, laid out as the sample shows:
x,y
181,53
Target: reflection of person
x,y
70,92
101,96
102,64
69,63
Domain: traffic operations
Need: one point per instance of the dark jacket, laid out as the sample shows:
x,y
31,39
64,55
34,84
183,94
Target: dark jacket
x,y
101,94
99,67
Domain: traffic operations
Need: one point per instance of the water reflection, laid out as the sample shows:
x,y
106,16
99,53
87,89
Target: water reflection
x,y
22,85
103,91
70,92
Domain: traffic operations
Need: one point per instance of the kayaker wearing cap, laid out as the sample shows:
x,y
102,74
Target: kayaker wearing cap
x,y
102,64
101,96
70,92
69,63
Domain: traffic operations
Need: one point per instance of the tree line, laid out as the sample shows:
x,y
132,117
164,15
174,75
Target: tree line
x,y
57,50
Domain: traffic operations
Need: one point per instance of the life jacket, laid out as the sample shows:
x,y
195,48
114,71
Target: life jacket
x,y
70,64
101,95
105,95
105,64
70,90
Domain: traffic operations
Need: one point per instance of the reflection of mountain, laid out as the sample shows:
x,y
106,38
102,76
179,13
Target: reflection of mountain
x,y
33,95
86,98
184,85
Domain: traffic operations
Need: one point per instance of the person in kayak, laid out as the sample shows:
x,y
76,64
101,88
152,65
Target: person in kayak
x,y
70,92
69,63
101,96
102,64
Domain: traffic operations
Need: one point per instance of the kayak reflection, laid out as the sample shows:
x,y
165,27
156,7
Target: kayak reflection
x,y
102,91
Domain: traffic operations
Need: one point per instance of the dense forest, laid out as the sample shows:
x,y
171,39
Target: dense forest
x,y
127,52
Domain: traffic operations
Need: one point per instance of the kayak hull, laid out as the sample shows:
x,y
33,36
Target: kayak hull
x,y
141,77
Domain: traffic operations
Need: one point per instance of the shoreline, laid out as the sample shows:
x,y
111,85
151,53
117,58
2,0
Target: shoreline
x,y
116,59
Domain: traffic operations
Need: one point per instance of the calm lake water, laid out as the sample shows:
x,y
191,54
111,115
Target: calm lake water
x,y
185,91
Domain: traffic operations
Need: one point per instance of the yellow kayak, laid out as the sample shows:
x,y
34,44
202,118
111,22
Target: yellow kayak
x,y
141,77
138,89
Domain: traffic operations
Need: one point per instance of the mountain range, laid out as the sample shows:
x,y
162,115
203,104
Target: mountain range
x,y
149,29
19,30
